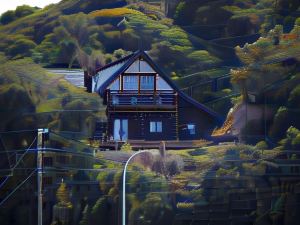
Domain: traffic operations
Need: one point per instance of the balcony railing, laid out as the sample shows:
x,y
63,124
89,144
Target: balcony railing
x,y
132,99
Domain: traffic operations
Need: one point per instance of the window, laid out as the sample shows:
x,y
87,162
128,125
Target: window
x,y
161,84
147,82
115,86
155,127
191,129
130,82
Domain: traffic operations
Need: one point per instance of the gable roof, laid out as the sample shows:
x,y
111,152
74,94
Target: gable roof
x,y
110,72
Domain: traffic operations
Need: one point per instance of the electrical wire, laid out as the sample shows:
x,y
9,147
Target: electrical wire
x,y
13,191
17,163
16,131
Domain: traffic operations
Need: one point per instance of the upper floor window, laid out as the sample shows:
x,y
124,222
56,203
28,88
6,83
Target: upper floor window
x,y
161,84
115,86
147,82
130,82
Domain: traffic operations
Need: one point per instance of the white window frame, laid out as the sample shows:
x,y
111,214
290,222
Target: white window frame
x,y
156,127
131,80
191,127
147,78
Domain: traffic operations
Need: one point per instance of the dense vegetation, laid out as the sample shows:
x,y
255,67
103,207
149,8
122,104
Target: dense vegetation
x,y
31,98
199,37
271,73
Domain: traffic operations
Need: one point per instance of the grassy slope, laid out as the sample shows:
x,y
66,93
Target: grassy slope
x,y
47,92
42,22
143,22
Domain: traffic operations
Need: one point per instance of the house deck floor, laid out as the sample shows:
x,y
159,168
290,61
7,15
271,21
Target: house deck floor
x,y
142,144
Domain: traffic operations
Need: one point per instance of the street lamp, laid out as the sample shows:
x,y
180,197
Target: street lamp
x,y
124,186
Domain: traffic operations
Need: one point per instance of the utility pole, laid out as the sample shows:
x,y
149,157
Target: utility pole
x,y
41,139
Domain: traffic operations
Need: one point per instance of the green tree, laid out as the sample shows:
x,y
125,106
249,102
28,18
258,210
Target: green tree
x,y
240,77
86,214
262,145
296,142
100,212
62,195
294,98
21,48
7,17
281,123
76,33
153,211
24,10
180,12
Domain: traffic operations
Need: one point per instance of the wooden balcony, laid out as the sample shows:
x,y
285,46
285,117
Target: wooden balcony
x,y
164,100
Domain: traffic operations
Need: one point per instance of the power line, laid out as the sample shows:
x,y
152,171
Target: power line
x,y
16,131
11,193
275,60
221,98
55,111
70,139
17,163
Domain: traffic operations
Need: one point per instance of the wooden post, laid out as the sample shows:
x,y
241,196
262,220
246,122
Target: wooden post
x,y
121,81
139,85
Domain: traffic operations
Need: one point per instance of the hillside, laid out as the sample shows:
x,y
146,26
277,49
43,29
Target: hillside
x,y
31,98
195,44
241,56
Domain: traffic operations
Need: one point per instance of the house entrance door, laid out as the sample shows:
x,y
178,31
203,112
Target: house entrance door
x,y
120,129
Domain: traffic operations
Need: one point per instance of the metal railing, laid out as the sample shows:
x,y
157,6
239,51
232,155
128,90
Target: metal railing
x,y
142,99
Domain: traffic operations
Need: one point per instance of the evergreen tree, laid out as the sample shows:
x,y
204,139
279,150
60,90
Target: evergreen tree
x,y
62,195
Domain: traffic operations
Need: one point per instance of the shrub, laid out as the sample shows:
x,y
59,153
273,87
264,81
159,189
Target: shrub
x,y
7,17
203,57
116,12
176,36
174,76
126,147
262,145
180,11
62,195
281,123
227,172
197,152
22,47
119,53
173,167
294,98
185,205
297,21
296,142
24,10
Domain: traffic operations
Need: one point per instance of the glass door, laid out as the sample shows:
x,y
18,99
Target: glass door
x,y
121,130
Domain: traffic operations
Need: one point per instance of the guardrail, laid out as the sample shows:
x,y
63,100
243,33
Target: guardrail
x,y
135,99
